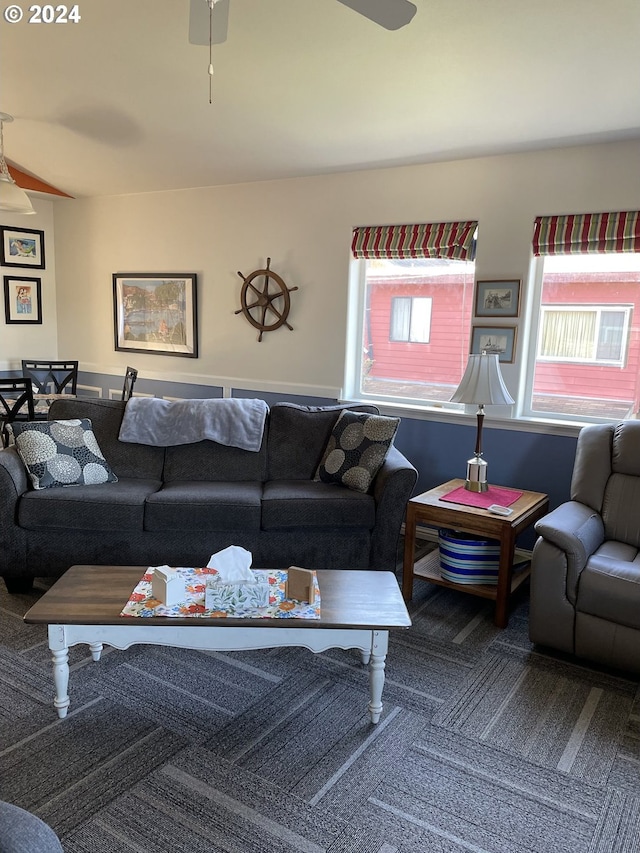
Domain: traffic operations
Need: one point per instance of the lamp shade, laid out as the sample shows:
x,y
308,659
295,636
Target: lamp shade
x,y
482,382
13,199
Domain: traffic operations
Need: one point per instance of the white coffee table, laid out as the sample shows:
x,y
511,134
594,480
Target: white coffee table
x,y
358,610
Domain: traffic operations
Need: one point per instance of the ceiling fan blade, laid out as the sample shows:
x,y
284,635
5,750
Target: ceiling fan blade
x,y
199,22
390,14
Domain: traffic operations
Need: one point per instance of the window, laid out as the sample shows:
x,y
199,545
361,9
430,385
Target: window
x,y
584,351
410,319
411,301
587,334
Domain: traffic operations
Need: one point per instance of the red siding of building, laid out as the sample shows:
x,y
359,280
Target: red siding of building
x,y
444,358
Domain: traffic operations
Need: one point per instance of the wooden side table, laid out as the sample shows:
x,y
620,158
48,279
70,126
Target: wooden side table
x,y
428,509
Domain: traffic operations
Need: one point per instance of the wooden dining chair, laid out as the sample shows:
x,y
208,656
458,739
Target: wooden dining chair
x,y
129,380
16,404
51,377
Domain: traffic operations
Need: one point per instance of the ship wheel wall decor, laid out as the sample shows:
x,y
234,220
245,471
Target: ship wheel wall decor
x,y
265,304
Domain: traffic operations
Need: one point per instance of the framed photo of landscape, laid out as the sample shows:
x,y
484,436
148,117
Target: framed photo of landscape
x,y
21,247
156,313
22,299
500,339
498,298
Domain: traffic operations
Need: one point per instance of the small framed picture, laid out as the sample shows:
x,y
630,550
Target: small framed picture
x,y
156,313
22,299
21,247
498,298
500,339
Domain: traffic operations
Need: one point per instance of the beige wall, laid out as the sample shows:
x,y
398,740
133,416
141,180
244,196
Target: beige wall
x,y
31,340
304,225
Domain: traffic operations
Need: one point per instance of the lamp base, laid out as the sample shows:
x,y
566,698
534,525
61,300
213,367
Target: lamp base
x,y
476,475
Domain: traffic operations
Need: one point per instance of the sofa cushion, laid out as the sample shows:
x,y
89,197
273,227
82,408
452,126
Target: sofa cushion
x,y
110,506
625,448
200,505
620,509
298,436
60,453
303,503
126,460
610,589
356,449
208,460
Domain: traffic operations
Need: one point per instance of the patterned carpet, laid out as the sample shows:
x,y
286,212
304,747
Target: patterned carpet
x,y
484,745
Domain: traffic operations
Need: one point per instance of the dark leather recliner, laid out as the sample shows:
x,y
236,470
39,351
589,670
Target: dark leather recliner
x,y
585,570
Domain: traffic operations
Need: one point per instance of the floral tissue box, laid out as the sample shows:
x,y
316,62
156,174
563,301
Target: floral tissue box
x,y
237,596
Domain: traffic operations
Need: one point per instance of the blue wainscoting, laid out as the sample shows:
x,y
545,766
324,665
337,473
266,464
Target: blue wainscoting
x,y
520,460
439,450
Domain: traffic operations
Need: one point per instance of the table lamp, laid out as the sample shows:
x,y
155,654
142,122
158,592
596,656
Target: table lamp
x,y
481,384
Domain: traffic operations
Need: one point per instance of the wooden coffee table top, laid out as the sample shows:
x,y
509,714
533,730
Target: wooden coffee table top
x,y
95,595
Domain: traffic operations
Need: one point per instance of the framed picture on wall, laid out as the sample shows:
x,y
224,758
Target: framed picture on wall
x,y
156,313
22,299
500,339
21,247
497,298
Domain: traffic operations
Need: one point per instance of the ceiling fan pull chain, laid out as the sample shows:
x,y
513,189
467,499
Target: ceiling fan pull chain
x,y
211,4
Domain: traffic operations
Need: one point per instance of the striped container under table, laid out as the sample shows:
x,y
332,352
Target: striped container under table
x,y
467,558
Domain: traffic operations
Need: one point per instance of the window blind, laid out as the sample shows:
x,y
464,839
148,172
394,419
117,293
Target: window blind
x,y
586,233
454,240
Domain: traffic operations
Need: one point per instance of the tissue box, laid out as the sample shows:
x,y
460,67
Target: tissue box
x,y
167,586
235,597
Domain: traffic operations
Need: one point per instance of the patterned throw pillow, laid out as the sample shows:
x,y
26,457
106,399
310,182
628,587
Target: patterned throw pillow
x,y
60,453
356,449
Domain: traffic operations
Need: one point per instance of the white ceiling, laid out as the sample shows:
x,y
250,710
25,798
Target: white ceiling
x,y
119,103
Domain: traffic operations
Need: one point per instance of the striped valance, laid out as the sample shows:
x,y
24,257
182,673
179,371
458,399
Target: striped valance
x,y
433,240
587,232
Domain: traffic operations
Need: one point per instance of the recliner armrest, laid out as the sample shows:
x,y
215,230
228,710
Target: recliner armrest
x,y
574,528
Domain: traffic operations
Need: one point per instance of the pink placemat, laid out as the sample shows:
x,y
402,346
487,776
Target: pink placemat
x,y
494,495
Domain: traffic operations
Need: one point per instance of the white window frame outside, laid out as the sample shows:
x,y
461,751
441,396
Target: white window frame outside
x,y
598,310
426,303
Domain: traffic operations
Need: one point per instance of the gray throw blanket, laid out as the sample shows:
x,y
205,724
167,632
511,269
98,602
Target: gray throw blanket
x,y
235,422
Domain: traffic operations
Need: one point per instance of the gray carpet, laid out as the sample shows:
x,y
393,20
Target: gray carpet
x,y
485,745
